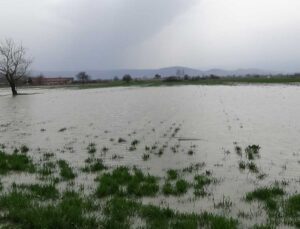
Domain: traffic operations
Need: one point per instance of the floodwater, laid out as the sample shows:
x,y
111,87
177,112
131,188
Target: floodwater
x,y
210,119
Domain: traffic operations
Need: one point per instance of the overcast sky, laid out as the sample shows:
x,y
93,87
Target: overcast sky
x,y
109,34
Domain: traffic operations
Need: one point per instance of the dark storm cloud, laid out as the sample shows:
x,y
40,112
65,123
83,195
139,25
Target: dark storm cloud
x,y
103,34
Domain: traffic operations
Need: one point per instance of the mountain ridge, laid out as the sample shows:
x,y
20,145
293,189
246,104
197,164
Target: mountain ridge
x,y
149,73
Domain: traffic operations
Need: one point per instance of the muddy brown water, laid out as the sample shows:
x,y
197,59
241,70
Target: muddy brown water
x,y
212,119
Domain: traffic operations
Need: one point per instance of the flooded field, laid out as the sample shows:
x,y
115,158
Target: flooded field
x,y
215,149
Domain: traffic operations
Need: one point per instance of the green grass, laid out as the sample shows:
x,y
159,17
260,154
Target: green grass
x,y
146,156
119,212
267,195
238,150
292,210
91,148
122,181
94,165
201,181
252,167
180,187
16,163
24,149
264,193
47,169
135,142
172,174
242,165
39,191
21,211
252,151
66,171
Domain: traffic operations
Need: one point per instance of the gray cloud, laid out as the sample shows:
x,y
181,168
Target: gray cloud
x,y
103,34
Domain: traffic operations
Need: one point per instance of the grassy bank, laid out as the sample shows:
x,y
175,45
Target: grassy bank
x,y
156,83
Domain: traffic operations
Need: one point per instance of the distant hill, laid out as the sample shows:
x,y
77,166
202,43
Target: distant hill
x,y
149,73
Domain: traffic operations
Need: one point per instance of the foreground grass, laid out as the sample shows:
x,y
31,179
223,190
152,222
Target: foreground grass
x,y
66,171
16,163
119,213
72,210
266,195
123,182
21,211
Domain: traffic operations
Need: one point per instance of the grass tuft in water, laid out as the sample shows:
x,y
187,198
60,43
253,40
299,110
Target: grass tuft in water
x,y
94,165
146,157
292,210
135,142
24,149
16,163
252,151
179,188
122,181
266,195
91,148
22,212
38,191
118,213
172,174
200,182
238,150
47,169
252,167
242,165
66,171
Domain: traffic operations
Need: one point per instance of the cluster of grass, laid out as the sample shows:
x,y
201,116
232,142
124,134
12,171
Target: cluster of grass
x,y
91,148
38,191
146,156
174,185
24,149
193,167
201,181
21,210
47,156
124,182
292,210
172,174
279,210
93,165
119,213
252,151
266,195
66,171
225,203
238,150
178,188
133,145
15,162
47,168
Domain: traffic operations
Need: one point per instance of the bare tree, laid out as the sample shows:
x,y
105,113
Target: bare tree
x,y
83,77
13,62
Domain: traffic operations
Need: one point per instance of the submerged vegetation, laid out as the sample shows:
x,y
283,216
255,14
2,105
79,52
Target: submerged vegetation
x,y
125,182
66,171
117,199
15,162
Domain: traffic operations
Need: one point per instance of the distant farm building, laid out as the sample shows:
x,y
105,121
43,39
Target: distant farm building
x,y
50,81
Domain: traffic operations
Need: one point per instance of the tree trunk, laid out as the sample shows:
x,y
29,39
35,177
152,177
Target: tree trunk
x,y
13,88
